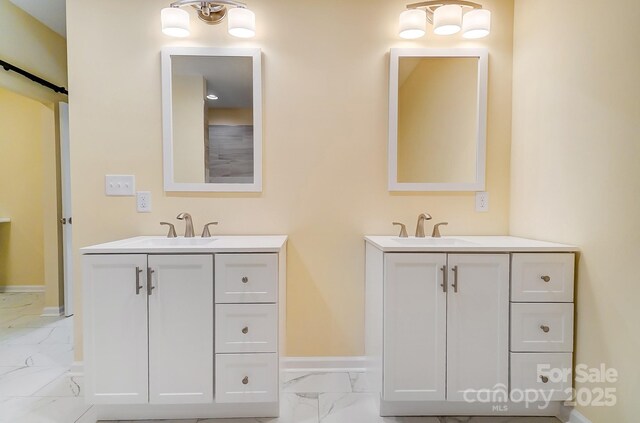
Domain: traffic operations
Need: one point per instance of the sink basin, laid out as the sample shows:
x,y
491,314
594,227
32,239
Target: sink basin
x,y
170,242
429,241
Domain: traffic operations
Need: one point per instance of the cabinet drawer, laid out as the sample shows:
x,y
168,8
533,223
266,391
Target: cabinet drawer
x,y
544,327
243,378
542,277
548,373
246,328
246,278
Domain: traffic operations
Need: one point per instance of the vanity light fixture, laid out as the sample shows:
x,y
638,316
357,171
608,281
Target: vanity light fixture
x,y
242,21
448,17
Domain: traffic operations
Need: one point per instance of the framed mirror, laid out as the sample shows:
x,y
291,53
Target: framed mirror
x,y
437,119
212,119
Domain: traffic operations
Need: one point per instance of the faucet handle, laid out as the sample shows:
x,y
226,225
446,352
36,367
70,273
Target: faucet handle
x,y
172,229
205,231
403,229
436,229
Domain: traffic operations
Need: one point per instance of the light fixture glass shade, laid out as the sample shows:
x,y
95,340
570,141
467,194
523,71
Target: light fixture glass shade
x,y
242,22
413,23
476,23
175,22
447,19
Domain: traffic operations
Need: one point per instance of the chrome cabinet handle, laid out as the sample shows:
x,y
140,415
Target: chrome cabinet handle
x,y
545,278
454,269
150,286
245,279
245,380
138,286
245,330
544,328
544,379
444,279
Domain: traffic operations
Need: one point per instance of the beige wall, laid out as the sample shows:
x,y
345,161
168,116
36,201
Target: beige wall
x,y
28,44
437,119
190,131
230,116
575,169
25,130
325,144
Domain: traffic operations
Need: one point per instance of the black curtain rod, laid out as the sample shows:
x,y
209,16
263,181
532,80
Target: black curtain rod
x,y
9,67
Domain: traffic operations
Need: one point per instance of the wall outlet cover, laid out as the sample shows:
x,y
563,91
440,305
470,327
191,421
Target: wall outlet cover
x,y
482,201
120,185
143,201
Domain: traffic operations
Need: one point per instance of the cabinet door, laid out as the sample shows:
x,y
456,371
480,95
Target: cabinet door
x,y
181,329
477,324
414,353
115,329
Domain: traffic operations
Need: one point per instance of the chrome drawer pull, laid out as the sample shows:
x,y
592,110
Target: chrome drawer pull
x,y
245,380
544,379
544,328
245,279
545,278
245,330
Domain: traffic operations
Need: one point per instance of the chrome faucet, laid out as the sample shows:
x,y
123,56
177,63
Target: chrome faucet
x,y
188,229
420,226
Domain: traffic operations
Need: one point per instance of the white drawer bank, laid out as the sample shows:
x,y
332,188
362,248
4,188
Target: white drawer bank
x,y
464,325
184,327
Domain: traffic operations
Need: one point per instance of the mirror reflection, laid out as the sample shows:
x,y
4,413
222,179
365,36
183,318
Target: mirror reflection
x,y
437,119
212,116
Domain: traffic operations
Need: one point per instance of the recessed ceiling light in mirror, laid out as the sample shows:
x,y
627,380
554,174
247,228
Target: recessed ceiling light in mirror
x,y
212,97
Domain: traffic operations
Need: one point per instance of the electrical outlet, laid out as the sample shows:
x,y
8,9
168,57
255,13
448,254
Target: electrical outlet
x,y
120,185
143,201
482,201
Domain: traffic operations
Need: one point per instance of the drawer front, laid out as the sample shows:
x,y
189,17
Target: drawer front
x,y
244,378
549,373
543,327
246,328
542,277
246,278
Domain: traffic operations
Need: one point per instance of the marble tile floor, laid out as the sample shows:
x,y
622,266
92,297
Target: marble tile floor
x,y
36,354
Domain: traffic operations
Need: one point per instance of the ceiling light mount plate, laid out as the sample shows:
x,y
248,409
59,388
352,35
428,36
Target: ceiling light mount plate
x,y
431,6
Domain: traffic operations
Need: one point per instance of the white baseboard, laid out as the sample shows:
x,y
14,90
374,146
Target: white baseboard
x,y
21,288
323,364
77,369
52,311
577,417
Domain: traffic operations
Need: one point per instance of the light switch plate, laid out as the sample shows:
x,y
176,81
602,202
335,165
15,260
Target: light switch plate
x,y
120,185
143,201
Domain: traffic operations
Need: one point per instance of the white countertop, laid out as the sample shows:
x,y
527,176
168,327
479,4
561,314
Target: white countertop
x,y
466,244
5,219
215,244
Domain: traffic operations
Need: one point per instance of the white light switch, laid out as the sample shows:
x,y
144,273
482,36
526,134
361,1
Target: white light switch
x,y
120,185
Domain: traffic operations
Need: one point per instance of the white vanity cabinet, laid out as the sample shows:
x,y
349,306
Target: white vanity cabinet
x,y
198,327
443,330
445,324
149,325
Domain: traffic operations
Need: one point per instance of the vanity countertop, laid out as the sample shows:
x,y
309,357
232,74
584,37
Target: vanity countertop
x,y
5,220
466,244
215,244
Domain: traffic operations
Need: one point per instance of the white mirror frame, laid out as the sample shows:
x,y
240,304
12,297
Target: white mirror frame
x,y
167,121
481,132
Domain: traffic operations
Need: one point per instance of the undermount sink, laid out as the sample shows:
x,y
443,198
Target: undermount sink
x,y
430,241
171,242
